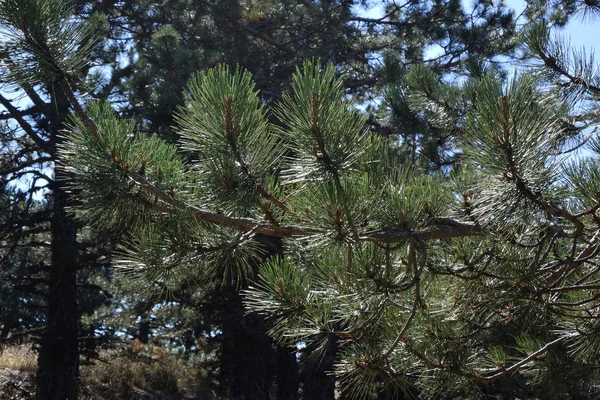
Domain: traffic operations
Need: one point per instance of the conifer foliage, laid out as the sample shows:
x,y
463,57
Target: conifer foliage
x,y
430,284
401,279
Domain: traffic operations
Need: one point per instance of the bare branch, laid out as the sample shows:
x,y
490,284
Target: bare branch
x,y
515,367
18,116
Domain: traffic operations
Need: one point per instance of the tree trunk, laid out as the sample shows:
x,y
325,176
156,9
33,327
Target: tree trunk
x,y
144,330
58,360
246,354
317,384
250,363
287,374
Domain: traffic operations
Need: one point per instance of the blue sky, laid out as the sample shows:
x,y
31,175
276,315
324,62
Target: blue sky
x,y
583,32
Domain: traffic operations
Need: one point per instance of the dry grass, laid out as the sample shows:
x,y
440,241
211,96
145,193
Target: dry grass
x,y
139,372
20,358
143,372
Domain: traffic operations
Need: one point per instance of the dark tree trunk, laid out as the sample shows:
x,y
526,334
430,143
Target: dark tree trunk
x,y
317,383
144,331
246,354
58,360
287,374
250,363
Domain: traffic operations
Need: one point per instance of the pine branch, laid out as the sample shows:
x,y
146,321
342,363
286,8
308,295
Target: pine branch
x,y
17,115
455,230
498,374
35,98
515,367
408,322
446,229
28,163
551,63
260,189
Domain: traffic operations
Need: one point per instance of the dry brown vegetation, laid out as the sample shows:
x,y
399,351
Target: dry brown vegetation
x,y
21,358
17,368
137,371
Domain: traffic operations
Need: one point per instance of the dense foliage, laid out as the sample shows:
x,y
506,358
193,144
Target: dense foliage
x,y
442,246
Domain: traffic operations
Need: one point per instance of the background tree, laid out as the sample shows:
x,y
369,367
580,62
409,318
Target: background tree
x,y
23,259
34,34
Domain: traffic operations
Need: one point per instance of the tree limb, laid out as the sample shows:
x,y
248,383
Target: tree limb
x,y
18,116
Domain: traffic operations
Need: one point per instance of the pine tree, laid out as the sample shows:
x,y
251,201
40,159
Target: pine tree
x,y
167,46
418,281
353,223
430,284
42,52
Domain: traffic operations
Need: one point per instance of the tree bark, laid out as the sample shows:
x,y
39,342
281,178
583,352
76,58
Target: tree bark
x,y
251,364
246,354
317,383
58,359
144,330
287,374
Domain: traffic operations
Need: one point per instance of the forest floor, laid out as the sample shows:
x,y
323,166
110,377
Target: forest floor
x,y
132,373
17,373
16,385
